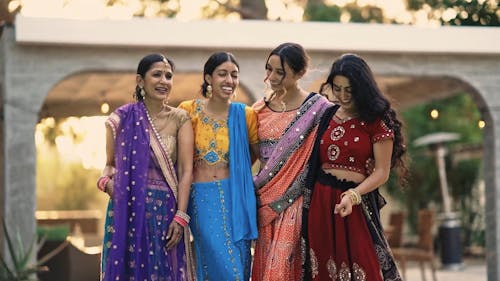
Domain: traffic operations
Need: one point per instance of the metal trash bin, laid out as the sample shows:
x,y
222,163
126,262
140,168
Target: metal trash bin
x,y
450,238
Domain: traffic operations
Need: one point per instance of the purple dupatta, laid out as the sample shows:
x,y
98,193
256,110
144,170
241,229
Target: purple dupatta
x,y
131,162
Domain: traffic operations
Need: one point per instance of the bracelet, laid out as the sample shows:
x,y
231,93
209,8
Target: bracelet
x,y
180,221
102,182
353,195
183,216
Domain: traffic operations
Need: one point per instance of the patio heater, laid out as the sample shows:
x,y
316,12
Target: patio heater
x,y
450,227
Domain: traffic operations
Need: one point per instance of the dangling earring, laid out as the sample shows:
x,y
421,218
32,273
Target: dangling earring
x,y
164,103
209,91
143,93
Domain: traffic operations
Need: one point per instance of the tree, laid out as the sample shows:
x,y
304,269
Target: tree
x,y
352,12
163,8
457,114
247,9
459,12
7,14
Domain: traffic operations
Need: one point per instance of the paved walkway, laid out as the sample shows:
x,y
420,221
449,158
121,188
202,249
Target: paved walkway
x,y
474,270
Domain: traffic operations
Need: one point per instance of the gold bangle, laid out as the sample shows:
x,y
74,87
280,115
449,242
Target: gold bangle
x,y
356,195
353,195
183,215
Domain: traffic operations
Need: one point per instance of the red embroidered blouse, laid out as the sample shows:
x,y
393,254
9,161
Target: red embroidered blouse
x,y
347,144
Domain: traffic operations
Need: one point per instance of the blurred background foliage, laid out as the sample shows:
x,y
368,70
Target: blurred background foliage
x,y
68,184
458,114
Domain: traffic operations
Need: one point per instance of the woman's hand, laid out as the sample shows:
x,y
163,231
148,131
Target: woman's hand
x,y
110,185
174,234
344,208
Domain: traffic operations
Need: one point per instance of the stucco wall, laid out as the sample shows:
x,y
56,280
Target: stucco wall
x,y
31,70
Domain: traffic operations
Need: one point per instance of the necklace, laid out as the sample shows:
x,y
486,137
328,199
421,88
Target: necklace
x,y
155,131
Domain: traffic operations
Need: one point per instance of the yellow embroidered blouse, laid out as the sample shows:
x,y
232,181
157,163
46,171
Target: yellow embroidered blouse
x,y
211,136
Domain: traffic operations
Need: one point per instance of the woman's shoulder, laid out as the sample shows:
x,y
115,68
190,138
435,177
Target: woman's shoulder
x,y
249,109
258,104
124,109
179,112
193,107
186,105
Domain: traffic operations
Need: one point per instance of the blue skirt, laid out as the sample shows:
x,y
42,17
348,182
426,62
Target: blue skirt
x,y
161,265
218,257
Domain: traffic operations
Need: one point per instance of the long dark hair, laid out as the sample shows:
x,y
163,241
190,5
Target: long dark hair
x,y
292,54
212,63
143,67
370,102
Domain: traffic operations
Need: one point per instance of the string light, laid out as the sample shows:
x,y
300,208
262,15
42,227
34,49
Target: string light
x,y
104,107
481,124
434,114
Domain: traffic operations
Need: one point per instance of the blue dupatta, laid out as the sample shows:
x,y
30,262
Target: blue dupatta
x,y
244,204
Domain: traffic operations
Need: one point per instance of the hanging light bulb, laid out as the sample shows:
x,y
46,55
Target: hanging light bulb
x,y
104,107
481,124
434,114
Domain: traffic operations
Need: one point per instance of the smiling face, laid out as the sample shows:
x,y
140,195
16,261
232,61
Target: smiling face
x,y
157,81
342,90
224,80
280,77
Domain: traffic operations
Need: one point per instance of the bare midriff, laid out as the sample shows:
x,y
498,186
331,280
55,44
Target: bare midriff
x,y
204,172
346,175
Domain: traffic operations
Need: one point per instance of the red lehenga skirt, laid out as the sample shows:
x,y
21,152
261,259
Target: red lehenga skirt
x,y
349,248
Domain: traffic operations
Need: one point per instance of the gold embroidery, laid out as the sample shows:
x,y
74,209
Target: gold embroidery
x,y
344,272
359,273
333,152
337,133
332,268
314,264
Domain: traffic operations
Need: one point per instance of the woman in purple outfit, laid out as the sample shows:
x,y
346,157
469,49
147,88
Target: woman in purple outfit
x,y
148,173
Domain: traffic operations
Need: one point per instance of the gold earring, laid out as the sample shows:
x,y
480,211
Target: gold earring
x,y
143,93
165,102
209,91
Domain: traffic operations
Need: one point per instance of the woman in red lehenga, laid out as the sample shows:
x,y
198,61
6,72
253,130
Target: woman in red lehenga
x,y
342,224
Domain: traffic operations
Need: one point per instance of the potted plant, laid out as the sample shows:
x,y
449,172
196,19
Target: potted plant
x,y
20,267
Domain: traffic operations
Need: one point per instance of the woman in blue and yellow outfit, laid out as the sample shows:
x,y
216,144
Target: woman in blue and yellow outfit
x,y
222,203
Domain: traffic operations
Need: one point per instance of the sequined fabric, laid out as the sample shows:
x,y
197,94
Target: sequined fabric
x,y
223,212
348,144
285,140
218,256
143,204
350,248
212,135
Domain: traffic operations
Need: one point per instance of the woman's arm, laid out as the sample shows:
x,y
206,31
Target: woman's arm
x,y
185,148
254,153
109,169
252,124
382,152
185,151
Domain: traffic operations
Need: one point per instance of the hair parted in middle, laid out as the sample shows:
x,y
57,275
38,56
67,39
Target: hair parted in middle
x,y
143,67
212,63
295,56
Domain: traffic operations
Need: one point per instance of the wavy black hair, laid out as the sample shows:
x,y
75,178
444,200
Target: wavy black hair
x,y
370,103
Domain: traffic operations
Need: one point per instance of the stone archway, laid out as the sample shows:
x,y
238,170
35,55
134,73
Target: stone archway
x,y
82,93
37,57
